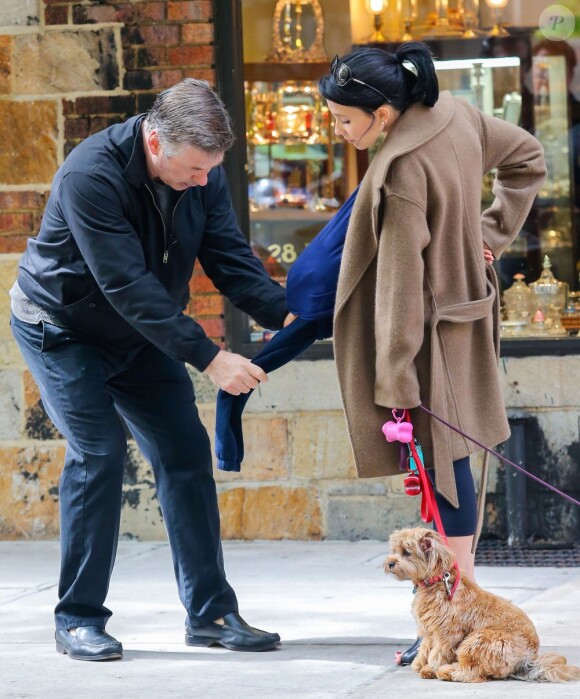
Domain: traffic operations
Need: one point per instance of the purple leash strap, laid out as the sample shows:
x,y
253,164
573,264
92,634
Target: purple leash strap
x,y
500,457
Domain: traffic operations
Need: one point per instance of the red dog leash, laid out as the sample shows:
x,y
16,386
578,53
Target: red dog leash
x,y
418,482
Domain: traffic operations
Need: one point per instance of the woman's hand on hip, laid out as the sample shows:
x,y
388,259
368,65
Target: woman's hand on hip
x,y
488,255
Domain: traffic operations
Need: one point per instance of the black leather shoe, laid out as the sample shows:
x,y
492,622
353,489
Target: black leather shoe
x,y
233,634
90,643
410,654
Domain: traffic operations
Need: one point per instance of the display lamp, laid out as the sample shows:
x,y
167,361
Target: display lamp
x,y
376,8
470,11
497,7
408,9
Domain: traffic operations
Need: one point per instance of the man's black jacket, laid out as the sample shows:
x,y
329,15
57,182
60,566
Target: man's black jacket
x,y
104,265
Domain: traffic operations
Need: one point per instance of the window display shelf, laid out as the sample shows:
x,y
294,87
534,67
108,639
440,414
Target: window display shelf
x,y
534,347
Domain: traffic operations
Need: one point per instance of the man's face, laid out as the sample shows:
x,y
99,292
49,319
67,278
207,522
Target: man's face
x,y
187,167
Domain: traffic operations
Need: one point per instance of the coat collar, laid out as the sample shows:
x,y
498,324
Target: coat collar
x,y
414,127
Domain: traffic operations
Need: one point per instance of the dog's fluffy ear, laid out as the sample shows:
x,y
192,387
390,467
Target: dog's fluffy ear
x,y
426,542
435,550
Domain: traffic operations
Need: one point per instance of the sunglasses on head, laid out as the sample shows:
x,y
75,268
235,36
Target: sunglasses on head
x,y
342,75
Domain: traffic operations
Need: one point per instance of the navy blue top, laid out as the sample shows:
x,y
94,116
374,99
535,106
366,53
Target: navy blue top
x,y
310,294
313,279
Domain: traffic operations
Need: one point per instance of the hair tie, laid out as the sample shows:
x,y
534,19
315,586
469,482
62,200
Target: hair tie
x,y
407,65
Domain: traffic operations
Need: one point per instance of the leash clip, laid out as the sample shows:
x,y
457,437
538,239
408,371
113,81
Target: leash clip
x,y
411,465
446,578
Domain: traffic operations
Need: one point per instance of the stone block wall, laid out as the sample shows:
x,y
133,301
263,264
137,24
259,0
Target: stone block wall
x,y
297,451
69,68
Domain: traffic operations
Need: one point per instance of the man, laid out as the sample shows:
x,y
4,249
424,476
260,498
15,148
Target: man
x,y
98,315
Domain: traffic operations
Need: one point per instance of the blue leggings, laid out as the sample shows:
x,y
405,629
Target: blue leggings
x,y
461,521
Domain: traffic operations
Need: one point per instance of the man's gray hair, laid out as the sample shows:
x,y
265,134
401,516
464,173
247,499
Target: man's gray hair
x,y
190,114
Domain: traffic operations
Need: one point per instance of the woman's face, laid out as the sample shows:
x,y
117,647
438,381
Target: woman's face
x,y
356,126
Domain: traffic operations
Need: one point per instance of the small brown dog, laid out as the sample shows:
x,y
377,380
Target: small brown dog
x,y
475,636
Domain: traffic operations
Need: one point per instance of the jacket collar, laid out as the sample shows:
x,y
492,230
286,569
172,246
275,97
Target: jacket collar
x,y
135,171
414,127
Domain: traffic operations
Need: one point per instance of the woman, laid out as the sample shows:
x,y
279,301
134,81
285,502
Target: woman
x,y
416,308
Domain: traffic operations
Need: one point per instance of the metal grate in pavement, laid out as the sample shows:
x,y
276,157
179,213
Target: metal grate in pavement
x,y
492,552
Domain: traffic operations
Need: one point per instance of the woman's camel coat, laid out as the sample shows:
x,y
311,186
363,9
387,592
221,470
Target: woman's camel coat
x,y
416,311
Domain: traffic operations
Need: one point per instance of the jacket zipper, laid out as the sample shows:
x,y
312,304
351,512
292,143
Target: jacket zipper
x,y
166,247
165,250
173,219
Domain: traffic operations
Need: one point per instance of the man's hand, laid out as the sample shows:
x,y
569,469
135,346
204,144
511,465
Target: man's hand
x,y
234,373
488,255
289,318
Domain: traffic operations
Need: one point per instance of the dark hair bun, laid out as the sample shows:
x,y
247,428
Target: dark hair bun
x,y
425,87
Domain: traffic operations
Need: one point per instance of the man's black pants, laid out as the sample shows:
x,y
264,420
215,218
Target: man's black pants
x,y
84,388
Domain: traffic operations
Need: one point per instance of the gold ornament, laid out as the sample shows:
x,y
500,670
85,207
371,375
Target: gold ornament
x,y
287,39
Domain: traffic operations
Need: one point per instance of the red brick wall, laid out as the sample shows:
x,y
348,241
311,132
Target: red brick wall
x,y
20,214
161,43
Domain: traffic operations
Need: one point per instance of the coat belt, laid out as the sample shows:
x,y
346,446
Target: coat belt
x,y
441,437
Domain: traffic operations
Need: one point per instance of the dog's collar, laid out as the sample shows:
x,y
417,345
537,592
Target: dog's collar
x,y
429,582
436,579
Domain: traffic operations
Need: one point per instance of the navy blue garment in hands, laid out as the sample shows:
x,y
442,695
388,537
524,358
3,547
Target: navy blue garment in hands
x,y
313,278
310,295
287,344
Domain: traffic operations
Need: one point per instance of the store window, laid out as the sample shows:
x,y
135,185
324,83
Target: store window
x,y
299,174
488,52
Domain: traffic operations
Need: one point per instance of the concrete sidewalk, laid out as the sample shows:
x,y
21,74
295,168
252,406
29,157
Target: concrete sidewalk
x,y
341,620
